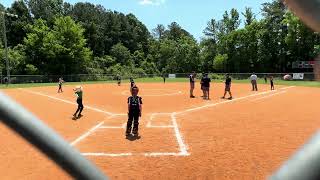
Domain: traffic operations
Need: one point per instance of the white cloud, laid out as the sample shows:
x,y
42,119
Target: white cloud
x,y
152,2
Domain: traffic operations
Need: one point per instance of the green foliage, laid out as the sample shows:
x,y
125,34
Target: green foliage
x,y
249,16
217,76
59,50
30,69
55,37
121,54
45,9
16,58
219,62
16,30
150,67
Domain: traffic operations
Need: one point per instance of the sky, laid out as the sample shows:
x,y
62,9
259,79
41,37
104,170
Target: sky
x,y
192,15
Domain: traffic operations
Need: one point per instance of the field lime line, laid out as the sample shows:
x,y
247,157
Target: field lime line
x,y
67,101
107,154
86,134
155,154
228,101
288,87
183,148
264,97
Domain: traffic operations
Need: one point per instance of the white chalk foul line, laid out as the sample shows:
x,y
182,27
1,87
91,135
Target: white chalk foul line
x,y
222,102
155,154
107,154
281,92
183,148
83,136
66,101
288,87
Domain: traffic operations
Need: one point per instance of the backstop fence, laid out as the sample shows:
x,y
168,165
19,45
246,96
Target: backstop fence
x,y
19,79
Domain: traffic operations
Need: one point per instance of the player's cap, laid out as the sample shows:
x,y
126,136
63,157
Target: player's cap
x,y
78,88
134,89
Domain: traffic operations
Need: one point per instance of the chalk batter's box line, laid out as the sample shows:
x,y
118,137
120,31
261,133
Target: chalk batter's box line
x,y
180,142
152,154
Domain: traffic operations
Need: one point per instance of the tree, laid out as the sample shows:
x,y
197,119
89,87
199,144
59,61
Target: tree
x,y
301,41
208,50
91,19
159,31
219,62
274,35
17,58
175,32
234,21
45,9
121,54
249,16
16,30
212,31
60,50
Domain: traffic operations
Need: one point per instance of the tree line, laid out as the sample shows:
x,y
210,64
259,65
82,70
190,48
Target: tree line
x,y
53,37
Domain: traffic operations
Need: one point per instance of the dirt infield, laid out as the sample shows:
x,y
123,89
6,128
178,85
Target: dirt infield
x,y
181,138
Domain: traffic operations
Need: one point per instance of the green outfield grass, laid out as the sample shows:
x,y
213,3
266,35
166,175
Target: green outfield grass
x,y
160,80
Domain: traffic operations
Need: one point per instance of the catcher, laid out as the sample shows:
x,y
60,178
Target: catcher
x,y
134,112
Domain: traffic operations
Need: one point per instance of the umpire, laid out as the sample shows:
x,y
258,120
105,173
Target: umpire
x,y
253,79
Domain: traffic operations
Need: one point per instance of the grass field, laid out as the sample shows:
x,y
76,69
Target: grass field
x,y
159,80
181,138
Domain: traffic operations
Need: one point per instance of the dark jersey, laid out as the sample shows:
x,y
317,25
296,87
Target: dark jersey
x,y
206,82
134,102
228,81
79,94
191,78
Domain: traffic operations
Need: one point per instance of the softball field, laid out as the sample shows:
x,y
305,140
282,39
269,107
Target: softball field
x,y
248,137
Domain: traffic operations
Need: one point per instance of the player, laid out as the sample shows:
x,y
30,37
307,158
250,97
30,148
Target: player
x,y
192,81
206,86
265,79
78,91
164,78
61,81
271,83
201,84
119,80
227,87
6,81
253,79
134,112
132,83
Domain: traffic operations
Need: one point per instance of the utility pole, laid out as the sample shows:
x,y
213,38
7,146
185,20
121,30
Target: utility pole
x,y
4,14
